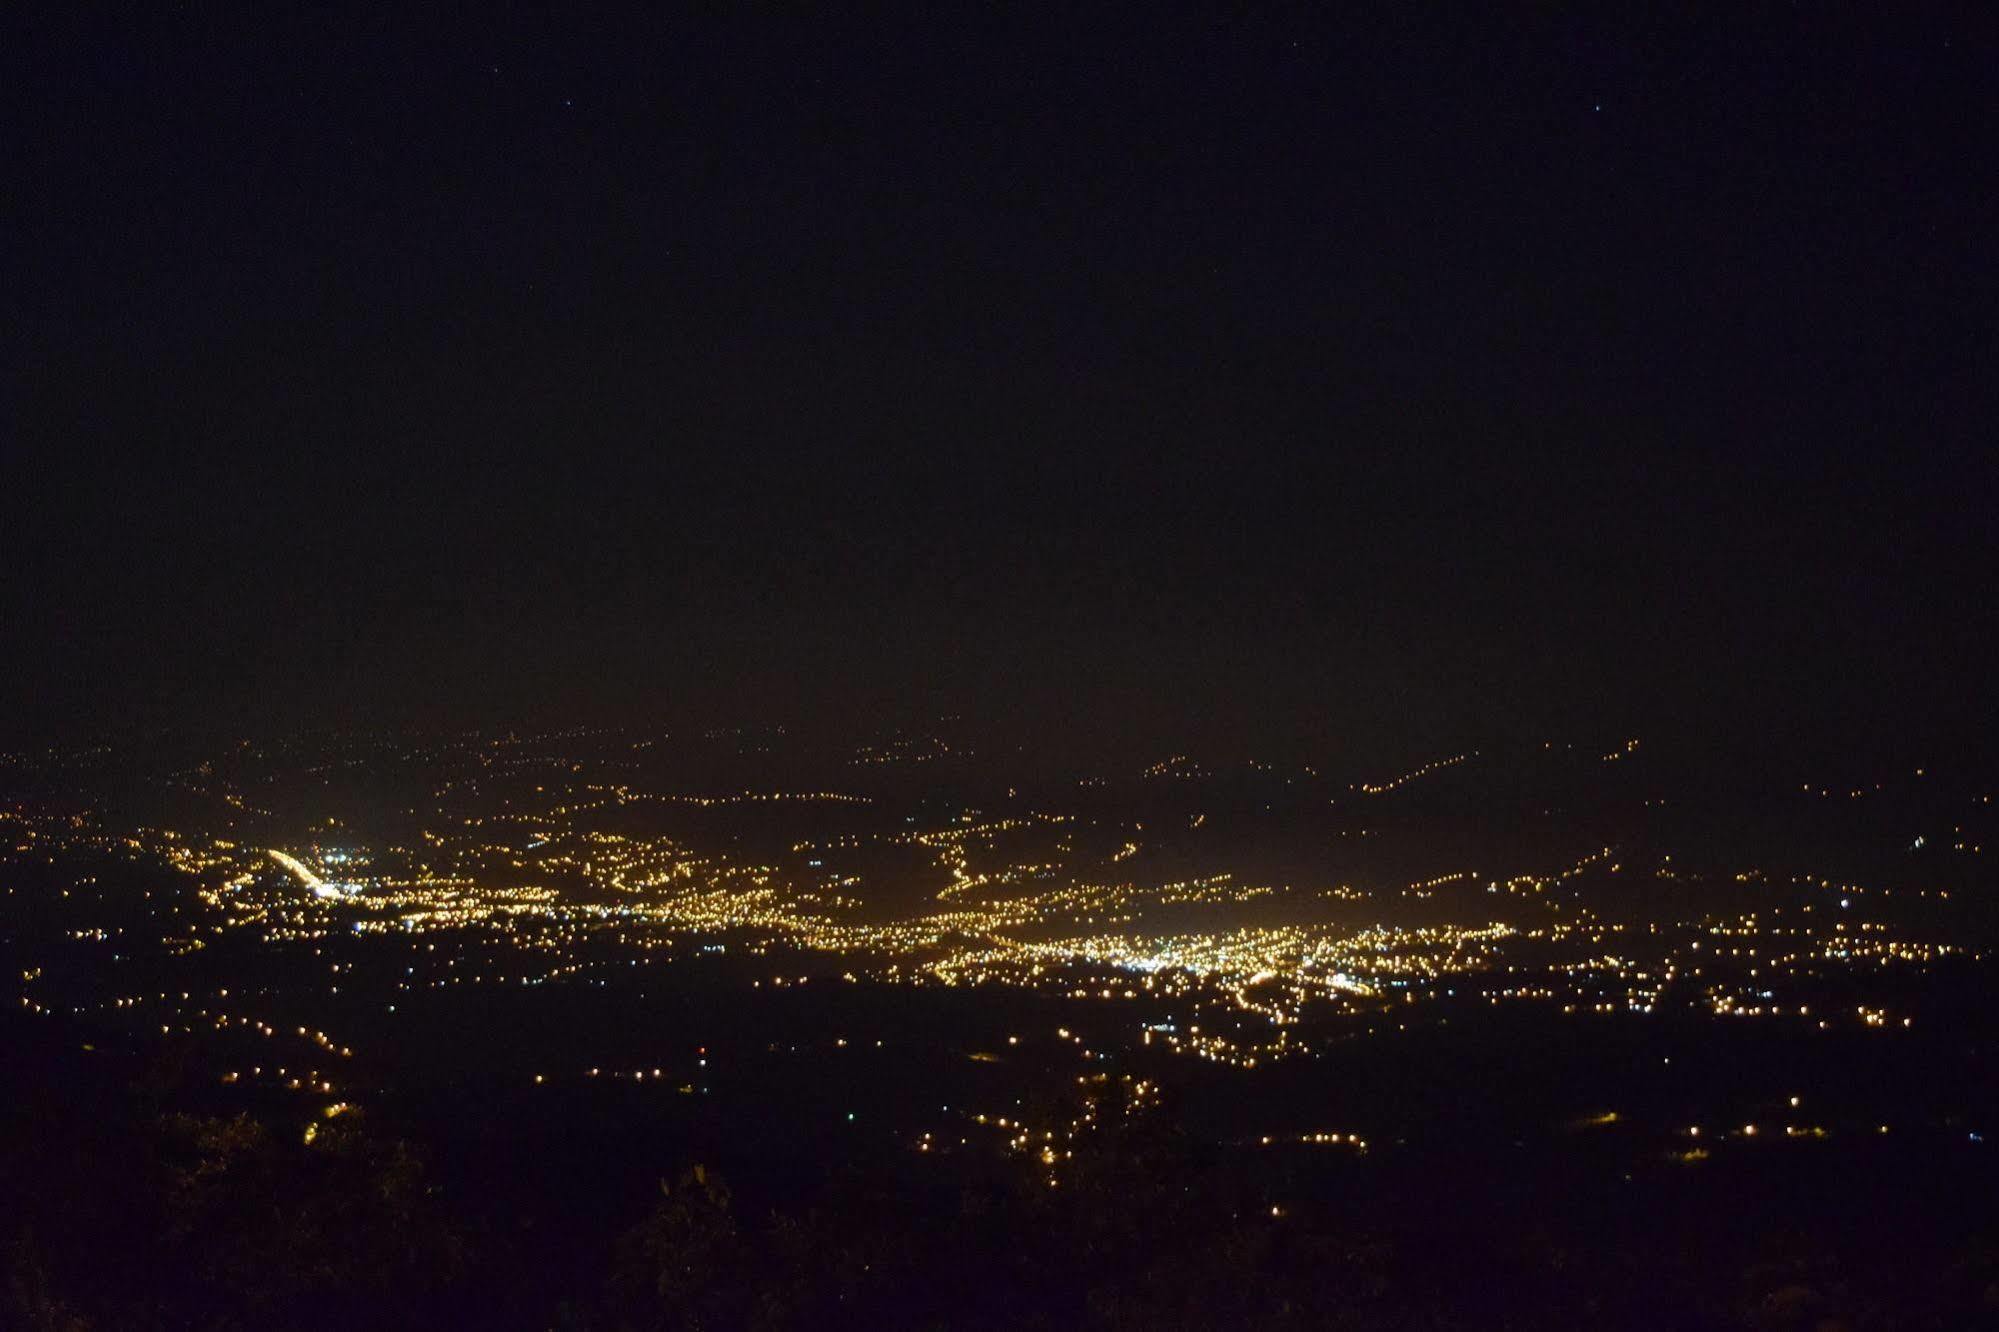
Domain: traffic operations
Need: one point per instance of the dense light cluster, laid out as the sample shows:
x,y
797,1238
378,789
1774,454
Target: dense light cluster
x,y
516,864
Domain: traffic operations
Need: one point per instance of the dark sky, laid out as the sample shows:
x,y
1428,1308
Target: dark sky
x,y
1382,380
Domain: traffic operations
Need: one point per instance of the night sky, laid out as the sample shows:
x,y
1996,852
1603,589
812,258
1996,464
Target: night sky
x,y
1247,378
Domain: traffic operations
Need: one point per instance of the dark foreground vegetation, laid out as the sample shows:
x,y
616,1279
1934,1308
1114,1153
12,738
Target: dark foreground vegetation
x,y
134,1201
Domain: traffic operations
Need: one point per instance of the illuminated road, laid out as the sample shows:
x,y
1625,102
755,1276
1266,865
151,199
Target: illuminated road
x,y
319,886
